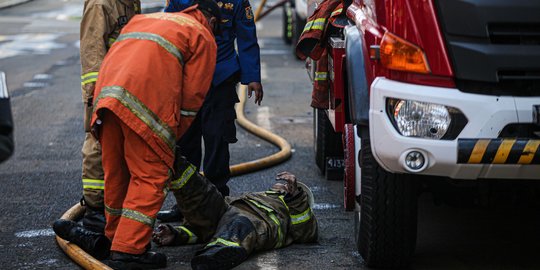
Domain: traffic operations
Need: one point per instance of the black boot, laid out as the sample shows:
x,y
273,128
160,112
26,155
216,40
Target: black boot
x,y
94,219
96,244
219,258
172,215
147,260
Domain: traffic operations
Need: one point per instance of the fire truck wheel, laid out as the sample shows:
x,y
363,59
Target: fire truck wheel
x,y
328,147
386,214
287,23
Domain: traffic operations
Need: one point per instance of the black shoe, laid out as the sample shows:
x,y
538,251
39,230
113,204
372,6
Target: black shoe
x,y
219,258
96,244
94,219
147,260
172,215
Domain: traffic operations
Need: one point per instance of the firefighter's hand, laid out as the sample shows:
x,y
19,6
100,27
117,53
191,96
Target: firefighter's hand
x,y
163,235
289,186
259,93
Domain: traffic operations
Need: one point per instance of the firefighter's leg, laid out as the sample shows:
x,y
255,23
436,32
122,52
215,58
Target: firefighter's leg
x,y
239,234
116,170
93,183
132,202
191,148
219,131
198,199
145,194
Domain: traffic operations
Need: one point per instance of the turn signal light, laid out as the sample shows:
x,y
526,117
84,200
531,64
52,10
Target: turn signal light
x,y
399,54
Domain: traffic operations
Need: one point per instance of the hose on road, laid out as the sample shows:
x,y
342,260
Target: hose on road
x,y
86,261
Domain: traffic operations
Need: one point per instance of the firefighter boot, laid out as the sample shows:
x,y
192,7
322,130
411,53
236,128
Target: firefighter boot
x,y
96,244
147,260
172,215
219,258
94,219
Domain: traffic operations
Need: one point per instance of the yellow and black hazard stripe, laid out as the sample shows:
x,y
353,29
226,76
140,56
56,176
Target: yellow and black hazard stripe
x,y
499,151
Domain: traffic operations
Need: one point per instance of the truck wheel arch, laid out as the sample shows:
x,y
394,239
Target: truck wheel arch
x,y
357,79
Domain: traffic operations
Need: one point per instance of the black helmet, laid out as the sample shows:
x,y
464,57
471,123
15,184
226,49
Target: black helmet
x,y
209,6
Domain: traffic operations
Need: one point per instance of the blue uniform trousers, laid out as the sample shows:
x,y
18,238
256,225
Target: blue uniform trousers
x,y
214,123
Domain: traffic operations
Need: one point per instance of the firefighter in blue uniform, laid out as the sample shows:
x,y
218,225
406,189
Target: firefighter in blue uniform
x,y
215,120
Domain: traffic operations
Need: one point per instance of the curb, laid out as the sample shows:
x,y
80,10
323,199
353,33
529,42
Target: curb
x,y
9,3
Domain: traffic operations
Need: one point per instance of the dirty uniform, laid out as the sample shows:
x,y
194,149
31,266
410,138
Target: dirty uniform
x,y
254,221
145,104
276,222
215,121
100,26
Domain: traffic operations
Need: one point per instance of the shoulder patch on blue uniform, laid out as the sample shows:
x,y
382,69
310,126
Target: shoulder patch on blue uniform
x,y
249,13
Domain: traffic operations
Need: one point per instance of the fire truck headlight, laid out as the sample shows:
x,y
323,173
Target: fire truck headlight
x,y
420,119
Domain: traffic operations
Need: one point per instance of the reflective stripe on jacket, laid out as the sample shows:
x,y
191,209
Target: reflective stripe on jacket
x,y
155,78
313,41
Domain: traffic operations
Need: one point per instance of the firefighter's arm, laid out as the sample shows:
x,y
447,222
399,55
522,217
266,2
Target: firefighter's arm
x,y
94,44
196,77
304,226
248,50
94,39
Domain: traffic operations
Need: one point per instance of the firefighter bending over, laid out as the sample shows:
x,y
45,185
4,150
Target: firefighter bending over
x,y
151,85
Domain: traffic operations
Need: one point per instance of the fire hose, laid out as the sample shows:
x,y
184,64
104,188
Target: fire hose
x,y
86,261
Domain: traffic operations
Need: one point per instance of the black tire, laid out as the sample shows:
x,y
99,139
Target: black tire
x,y
287,23
297,28
386,214
326,142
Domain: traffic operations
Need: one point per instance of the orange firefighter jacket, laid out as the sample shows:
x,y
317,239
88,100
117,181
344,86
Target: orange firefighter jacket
x,y
156,75
100,26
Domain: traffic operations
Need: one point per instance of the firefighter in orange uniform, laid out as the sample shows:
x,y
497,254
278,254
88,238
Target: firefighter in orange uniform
x,y
151,84
100,26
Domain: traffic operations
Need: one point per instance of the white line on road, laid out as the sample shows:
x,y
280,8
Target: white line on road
x,y
263,117
264,74
274,52
35,233
325,206
3,86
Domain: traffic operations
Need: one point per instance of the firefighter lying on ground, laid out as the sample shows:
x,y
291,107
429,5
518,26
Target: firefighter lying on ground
x,y
157,57
255,221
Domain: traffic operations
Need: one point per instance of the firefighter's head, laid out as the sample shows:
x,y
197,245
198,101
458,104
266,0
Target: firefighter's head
x,y
212,13
208,7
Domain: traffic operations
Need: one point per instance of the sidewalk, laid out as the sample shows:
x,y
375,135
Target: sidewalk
x,y
8,3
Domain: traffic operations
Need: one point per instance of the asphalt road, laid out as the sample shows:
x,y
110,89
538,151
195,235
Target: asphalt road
x,y
39,54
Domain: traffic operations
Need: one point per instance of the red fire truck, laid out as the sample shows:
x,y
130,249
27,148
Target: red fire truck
x,y
424,94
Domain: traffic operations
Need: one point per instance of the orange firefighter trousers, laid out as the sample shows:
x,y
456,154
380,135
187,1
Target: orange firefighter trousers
x,y
135,181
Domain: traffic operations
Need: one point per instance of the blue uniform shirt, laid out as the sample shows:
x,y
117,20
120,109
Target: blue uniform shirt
x,y
237,23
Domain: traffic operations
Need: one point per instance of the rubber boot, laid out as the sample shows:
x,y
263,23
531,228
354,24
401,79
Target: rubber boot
x,y
173,215
96,244
147,260
219,258
94,219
